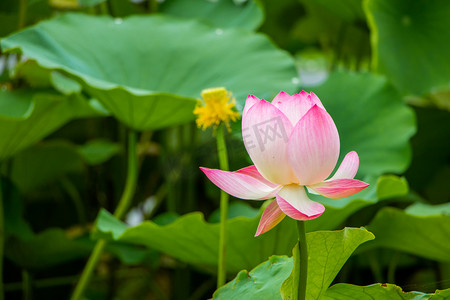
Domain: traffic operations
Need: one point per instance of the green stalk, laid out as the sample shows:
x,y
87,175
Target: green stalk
x,y
130,187
104,8
69,280
223,163
153,6
88,270
303,251
393,266
75,196
132,175
22,14
2,241
26,285
374,265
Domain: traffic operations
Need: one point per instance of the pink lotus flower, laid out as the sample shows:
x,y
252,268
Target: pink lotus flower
x,y
293,143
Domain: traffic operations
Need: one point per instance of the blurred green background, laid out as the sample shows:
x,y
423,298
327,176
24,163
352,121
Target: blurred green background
x,y
77,75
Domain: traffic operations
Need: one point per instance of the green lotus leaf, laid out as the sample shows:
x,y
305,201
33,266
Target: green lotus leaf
x,y
264,281
328,251
27,117
39,77
98,151
43,163
34,76
195,241
410,42
424,233
371,119
15,105
393,186
53,246
148,71
223,14
63,84
261,283
423,209
343,291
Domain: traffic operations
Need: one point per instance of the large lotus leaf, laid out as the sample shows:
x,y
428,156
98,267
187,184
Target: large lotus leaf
x,y
39,77
371,119
423,209
44,163
54,245
420,233
63,84
36,119
34,76
264,281
441,295
261,283
343,291
411,42
195,241
149,71
222,13
17,105
328,251
96,152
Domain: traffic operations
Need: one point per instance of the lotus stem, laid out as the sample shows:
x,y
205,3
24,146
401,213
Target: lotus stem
x,y
132,175
303,270
375,266
22,14
75,196
124,203
392,266
223,162
27,286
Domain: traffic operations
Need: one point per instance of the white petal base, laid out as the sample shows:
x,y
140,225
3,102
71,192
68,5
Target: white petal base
x,y
294,202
